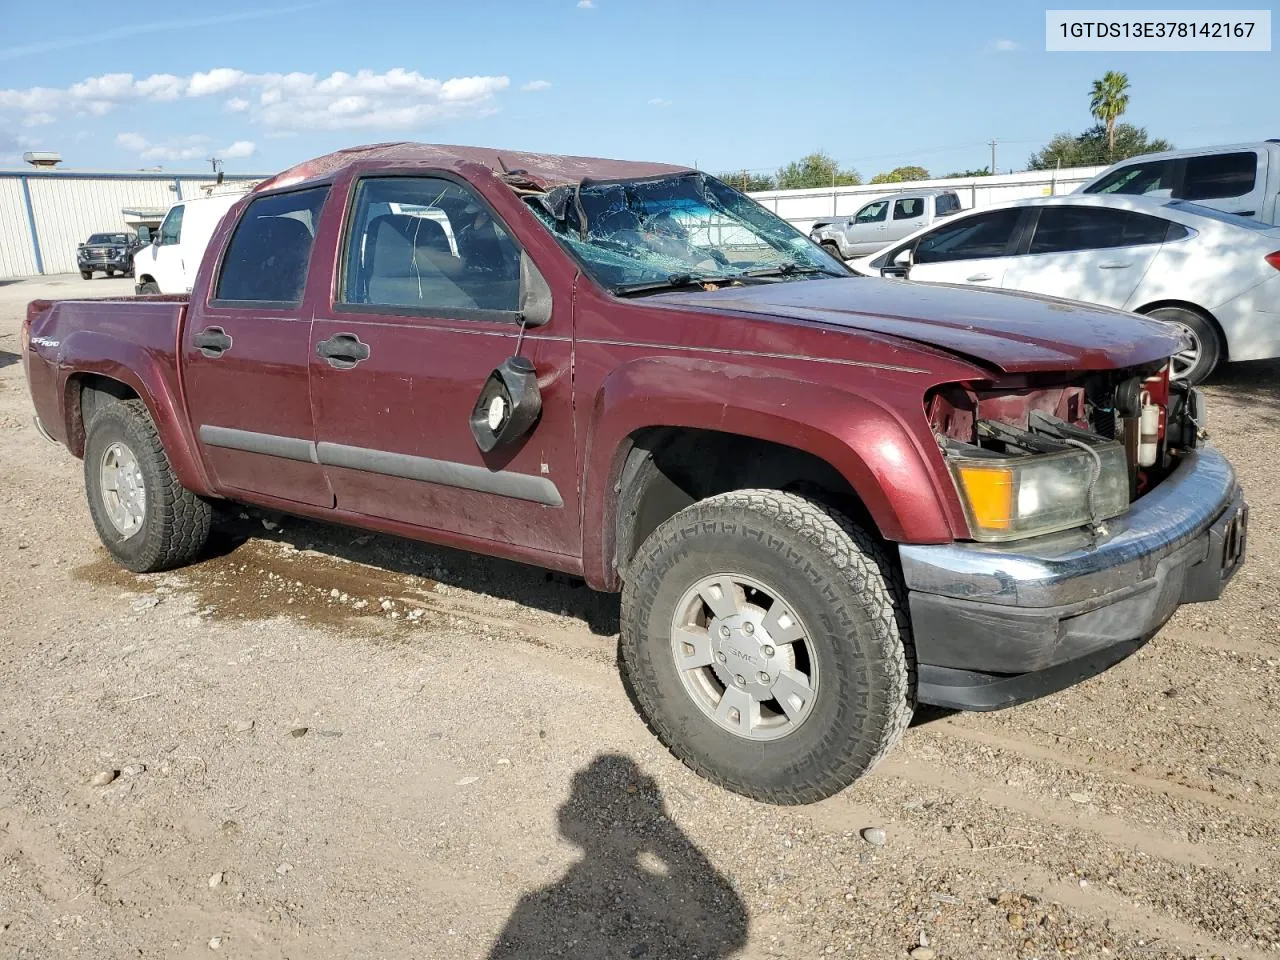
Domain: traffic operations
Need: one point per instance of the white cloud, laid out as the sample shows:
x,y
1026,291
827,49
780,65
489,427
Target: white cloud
x,y
1004,46
282,102
533,86
238,150
659,102
586,4
38,119
196,147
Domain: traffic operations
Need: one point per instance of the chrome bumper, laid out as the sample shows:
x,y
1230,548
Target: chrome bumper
x,y
1026,607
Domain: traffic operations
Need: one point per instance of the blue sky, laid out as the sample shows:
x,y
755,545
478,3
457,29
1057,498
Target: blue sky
x,y
728,85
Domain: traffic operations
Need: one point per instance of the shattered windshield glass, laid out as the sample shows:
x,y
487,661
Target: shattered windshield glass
x,y
661,232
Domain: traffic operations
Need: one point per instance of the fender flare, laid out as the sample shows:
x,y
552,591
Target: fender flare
x,y
864,441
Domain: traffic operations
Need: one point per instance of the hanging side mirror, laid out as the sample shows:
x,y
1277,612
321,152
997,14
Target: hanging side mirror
x,y
535,295
508,406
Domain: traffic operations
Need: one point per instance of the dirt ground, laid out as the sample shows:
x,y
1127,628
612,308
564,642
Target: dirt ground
x,y
330,744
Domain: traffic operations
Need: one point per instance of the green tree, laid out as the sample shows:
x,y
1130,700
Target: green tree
x,y
746,181
1096,146
901,175
983,172
816,170
1108,101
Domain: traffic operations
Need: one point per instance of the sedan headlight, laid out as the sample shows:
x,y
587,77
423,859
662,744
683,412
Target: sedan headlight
x,y
1006,498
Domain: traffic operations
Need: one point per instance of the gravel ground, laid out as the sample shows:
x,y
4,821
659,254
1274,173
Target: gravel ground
x,y
326,743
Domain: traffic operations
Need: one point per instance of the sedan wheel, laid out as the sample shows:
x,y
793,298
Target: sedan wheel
x,y
1204,350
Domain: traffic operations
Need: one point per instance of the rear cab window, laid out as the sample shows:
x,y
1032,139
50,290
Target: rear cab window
x,y
945,203
267,259
1219,176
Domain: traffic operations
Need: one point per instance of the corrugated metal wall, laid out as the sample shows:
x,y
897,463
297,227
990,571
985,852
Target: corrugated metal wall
x,y
17,256
67,211
68,207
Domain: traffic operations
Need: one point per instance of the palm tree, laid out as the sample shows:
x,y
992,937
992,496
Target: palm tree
x,y
1108,102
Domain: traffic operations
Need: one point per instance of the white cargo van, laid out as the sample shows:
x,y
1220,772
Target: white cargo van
x,y
1240,178
170,263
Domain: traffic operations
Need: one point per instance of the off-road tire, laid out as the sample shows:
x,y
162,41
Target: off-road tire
x,y
148,288
833,249
839,579
86,274
176,522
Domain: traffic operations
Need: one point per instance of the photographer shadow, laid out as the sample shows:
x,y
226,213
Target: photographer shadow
x,y
641,889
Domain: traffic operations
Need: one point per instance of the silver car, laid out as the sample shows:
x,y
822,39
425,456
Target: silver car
x,y
883,221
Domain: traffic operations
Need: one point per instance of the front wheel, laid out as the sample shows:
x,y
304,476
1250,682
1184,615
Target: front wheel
x,y
833,248
767,643
1202,356
86,274
143,515
148,288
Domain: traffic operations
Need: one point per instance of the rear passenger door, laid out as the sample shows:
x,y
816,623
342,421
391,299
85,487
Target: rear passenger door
x,y
909,215
425,307
972,250
1089,253
246,351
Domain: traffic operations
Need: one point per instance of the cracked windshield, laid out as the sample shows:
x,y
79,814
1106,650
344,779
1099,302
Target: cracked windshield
x,y
674,231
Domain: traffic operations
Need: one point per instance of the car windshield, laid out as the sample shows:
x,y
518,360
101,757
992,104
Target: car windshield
x,y
657,232
108,238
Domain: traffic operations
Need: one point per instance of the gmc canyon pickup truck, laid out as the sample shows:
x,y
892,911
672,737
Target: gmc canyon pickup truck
x,y
824,498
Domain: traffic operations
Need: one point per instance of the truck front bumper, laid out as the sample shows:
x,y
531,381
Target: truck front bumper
x,y
999,624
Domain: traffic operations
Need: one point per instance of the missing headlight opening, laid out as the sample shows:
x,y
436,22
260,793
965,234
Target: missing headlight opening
x,y
1030,456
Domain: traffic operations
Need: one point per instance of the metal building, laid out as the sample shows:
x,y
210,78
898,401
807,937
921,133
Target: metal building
x,y
45,213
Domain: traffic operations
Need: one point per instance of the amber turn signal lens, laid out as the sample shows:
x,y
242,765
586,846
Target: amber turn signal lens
x,y
990,494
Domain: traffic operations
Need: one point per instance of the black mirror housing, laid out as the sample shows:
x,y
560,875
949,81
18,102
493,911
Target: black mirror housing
x,y
508,406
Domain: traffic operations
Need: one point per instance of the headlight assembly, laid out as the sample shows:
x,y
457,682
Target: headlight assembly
x,y
1007,498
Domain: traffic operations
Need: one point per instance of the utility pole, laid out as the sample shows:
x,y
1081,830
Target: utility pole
x,y
992,144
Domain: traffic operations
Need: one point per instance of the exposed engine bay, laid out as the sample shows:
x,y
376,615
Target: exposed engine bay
x,y
1031,456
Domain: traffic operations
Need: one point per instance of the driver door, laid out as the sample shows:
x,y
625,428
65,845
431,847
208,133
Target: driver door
x,y
425,309
972,251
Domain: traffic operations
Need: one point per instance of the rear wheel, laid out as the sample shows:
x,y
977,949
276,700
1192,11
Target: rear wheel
x,y
767,644
1195,363
832,248
143,515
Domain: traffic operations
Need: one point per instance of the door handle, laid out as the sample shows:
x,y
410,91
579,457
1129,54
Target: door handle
x,y
343,350
1246,213
1114,265
977,277
212,341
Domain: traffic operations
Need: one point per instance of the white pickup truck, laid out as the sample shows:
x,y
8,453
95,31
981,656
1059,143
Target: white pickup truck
x,y
883,221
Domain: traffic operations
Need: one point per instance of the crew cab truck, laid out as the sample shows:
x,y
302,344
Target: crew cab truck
x,y
824,498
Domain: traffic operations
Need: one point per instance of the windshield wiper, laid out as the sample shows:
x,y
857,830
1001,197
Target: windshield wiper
x,y
794,270
674,281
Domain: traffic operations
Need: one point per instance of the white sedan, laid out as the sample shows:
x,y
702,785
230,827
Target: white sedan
x,y
1214,274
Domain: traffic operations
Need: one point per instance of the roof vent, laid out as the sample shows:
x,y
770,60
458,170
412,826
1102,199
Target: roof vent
x,y
42,158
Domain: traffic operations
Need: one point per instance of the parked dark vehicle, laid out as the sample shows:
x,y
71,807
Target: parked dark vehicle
x,y
110,253
823,498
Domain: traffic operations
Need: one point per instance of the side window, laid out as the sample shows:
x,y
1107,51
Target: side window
x,y
977,237
427,244
267,258
945,203
1140,228
171,229
873,212
1064,229
1220,175
1138,179
908,208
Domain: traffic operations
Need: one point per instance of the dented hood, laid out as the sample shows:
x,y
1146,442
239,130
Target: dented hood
x,y
1014,332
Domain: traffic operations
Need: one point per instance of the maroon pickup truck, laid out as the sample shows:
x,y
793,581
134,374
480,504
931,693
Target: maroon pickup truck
x,y
824,498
